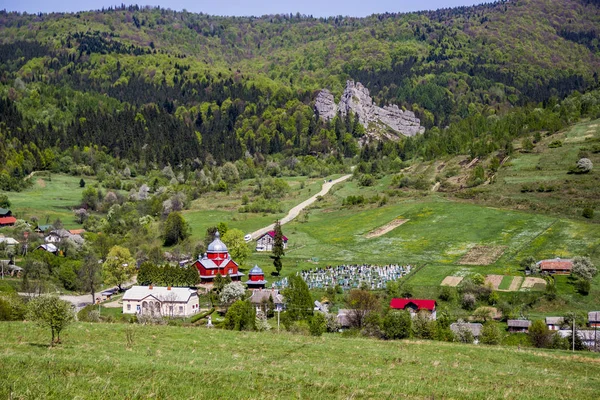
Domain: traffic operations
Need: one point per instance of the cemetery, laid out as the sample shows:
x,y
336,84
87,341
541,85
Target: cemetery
x,y
352,276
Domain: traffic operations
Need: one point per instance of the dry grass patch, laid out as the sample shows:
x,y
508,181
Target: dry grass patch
x,y
385,228
41,183
530,282
452,281
482,255
515,284
494,280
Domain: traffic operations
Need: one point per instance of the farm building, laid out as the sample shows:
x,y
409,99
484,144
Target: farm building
x,y
43,228
163,301
7,220
589,338
473,328
260,299
414,305
554,323
8,241
256,278
556,266
216,261
5,212
594,319
518,325
49,247
266,241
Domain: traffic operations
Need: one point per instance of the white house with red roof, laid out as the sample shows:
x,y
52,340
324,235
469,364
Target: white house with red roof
x,y
216,261
414,306
266,242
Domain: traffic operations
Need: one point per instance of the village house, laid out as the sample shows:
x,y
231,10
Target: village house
x,y
555,266
554,323
161,301
49,247
6,218
256,278
473,328
414,306
217,261
57,235
266,242
43,228
8,241
594,319
260,299
589,338
518,325
342,318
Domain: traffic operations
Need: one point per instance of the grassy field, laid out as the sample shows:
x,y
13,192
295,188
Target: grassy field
x,y
49,198
94,362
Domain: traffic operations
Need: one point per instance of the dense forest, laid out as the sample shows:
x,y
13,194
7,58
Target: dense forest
x,y
155,87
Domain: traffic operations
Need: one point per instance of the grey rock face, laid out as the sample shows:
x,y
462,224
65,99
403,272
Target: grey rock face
x,y
376,120
325,105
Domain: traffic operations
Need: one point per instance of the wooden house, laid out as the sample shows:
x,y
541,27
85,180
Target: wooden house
x,y
260,299
554,323
555,266
594,319
518,325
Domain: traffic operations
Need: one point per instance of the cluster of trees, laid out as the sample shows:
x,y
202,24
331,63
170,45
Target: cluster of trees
x,y
167,275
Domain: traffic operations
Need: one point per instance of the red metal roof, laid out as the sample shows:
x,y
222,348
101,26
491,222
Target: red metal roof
x,y
7,220
272,234
421,304
558,265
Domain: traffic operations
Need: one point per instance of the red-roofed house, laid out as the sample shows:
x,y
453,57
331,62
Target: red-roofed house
x,y
556,266
7,221
266,241
414,305
215,261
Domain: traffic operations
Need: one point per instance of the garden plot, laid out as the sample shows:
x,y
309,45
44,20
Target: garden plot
x,y
533,283
494,280
482,255
504,283
452,281
385,228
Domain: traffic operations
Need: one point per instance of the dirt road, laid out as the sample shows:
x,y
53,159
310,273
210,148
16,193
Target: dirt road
x,y
294,212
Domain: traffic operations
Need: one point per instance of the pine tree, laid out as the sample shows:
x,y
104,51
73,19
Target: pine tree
x,y
278,248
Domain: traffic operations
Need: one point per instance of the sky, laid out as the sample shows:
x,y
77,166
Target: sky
x,y
316,8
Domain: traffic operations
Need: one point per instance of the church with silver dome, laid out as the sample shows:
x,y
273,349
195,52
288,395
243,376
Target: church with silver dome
x,y
216,261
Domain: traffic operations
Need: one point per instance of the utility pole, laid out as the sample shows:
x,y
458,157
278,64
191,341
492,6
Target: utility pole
x,y
573,340
278,312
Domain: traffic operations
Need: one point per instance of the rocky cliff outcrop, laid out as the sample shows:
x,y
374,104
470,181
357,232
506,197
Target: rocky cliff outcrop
x,y
376,120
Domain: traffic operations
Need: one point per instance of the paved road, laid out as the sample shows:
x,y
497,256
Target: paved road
x,y
294,212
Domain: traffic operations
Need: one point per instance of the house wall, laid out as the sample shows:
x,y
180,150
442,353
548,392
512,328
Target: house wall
x,y
190,308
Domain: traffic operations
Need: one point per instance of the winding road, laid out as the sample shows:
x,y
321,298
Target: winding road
x,y
294,212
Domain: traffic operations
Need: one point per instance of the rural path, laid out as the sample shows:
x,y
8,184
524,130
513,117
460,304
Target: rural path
x,y
294,212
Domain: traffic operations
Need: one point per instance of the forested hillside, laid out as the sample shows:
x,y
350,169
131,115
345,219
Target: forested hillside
x,y
156,87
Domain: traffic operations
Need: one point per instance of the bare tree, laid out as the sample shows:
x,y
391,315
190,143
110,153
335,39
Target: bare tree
x,y
90,275
361,303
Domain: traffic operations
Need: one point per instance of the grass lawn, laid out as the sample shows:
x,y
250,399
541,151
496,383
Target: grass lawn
x,y
94,362
49,198
506,281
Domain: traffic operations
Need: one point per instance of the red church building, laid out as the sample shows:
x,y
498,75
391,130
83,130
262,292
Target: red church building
x,y
256,278
216,261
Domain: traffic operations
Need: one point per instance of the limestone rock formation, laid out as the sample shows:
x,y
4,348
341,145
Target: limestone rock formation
x,y
376,120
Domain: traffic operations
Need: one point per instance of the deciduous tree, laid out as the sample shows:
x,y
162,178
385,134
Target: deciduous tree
x,y
118,267
51,312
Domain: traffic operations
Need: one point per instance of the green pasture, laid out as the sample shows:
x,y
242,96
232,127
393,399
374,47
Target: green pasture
x,y
95,362
49,197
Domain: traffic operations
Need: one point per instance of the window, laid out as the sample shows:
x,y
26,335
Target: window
x,y
230,271
128,307
180,309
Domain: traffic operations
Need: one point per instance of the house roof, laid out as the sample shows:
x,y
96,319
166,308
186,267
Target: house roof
x,y
161,293
272,234
258,296
48,247
7,220
554,320
4,211
475,328
9,241
519,323
76,231
61,233
211,264
419,303
594,316
556,264
44,228
588,335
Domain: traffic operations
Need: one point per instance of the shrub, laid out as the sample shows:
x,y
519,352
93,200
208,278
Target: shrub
x,y
397,324
468,301
447,294
555,143
490,334
241,316
583,286
366,180
539,334
588,212
317,324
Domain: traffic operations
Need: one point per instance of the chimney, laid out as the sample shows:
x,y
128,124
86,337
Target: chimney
x,y
168,287
150,287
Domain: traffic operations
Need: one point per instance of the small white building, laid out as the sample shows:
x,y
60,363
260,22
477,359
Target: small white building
x,y
160,300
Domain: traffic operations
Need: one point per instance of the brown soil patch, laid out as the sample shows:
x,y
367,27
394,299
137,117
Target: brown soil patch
x,y
41,183
452,281
386,228
482,255
515,284
493,312
494,280
530,282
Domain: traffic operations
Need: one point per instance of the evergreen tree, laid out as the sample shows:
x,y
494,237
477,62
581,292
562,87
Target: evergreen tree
x,y
277,247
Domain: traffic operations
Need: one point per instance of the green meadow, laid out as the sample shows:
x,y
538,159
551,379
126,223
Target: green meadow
x,y
96,361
